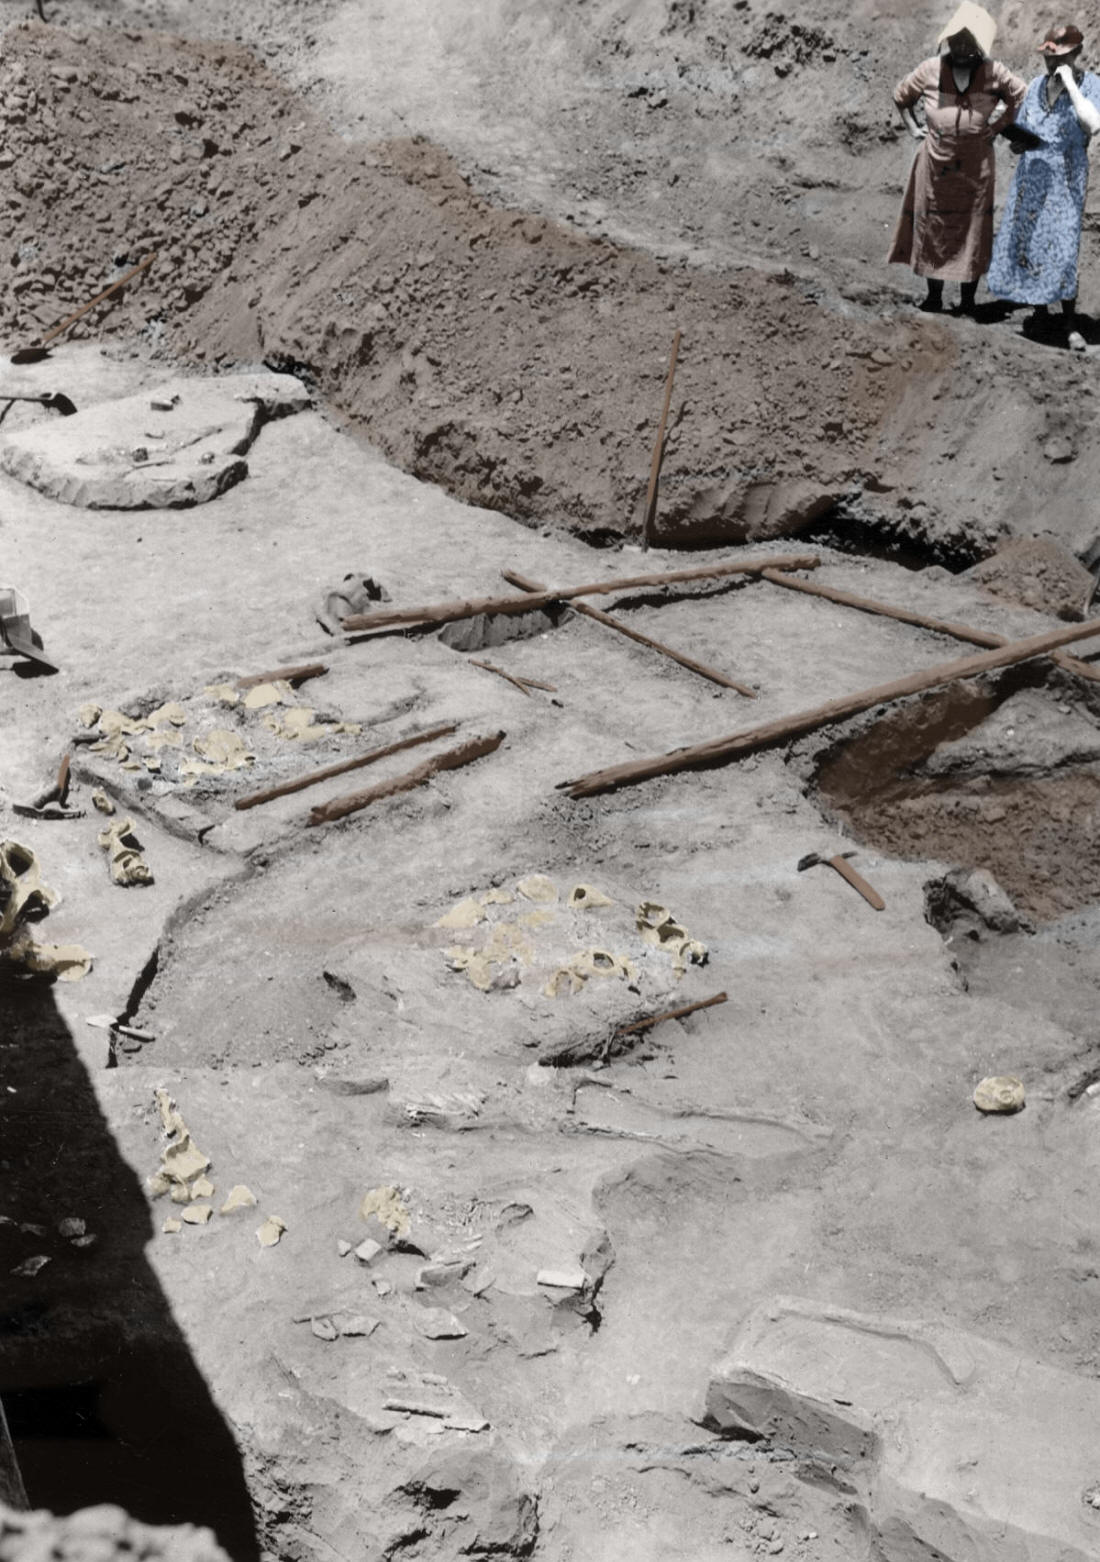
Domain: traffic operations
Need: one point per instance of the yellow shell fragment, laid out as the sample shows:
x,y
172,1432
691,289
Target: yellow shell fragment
x,y
263,694
102,803
538,888
271,1231
202,1188
467,913
1000,1093
385,1203
172,711
585,897
170,1119
239,1197
571,977
127,865
659,927
224,748
89,713
497,897
184,1160
66,962
224,693
171,1225
197,1214
507,940
479,971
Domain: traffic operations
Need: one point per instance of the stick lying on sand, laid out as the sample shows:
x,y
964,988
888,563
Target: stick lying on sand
x,y
451,759
299,674
525,684
617,624
451,612
719,751
670,1014
300,783
921,620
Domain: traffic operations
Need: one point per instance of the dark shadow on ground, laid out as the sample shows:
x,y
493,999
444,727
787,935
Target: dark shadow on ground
x,y
993,311
103,1399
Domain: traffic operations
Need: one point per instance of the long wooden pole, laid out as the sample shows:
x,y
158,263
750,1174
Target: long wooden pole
x,y
451,612
720,750
619,627
299,784
451,759
98,299
659,449
921,620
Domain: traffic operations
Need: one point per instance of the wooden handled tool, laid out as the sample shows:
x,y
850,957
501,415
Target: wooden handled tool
x,y
846,871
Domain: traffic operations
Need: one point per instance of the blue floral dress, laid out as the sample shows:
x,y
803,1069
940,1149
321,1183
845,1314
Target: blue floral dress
x,y
1035,251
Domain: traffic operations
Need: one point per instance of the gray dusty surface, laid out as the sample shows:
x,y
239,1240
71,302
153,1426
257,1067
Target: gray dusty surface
x,y
458,1259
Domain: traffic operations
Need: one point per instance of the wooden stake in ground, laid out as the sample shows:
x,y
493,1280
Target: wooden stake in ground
x,y
921,620
632,634
452,759
659,450
300,783
720,751
451,612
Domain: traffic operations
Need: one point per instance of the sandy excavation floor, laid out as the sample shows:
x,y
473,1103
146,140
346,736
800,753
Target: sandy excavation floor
x,y
402,1245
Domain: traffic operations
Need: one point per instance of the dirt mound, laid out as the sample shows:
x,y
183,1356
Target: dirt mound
x,y
510,359
1039,574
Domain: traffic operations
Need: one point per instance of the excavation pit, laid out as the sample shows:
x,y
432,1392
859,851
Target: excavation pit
x,y
1003,777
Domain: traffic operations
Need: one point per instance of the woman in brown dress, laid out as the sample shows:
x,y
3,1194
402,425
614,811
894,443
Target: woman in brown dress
x,y
945,231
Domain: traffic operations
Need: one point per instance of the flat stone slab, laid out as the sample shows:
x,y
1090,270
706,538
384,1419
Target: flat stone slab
x,y
962,1449
179,445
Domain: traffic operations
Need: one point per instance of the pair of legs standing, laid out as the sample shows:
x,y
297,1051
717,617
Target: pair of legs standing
x,y
933,300
932,303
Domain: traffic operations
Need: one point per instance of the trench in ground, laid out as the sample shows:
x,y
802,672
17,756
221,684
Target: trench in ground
x,y
1037,831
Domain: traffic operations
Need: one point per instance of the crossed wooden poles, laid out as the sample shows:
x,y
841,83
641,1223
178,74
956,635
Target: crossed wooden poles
x,y
717,751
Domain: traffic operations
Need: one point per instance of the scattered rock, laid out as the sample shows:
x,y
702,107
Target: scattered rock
x,y
270,1233
436,1323
1000,1093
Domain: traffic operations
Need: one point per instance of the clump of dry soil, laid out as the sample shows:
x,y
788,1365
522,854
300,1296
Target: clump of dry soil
x,y
509,358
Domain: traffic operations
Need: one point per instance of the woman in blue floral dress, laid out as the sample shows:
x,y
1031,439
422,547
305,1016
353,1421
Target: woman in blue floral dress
x,y
1035,252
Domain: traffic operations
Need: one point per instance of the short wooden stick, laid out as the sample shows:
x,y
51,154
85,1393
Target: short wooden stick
x,y
451,612
489,668
670,1014
920,620
659,449
300,783
620,628
300,674
720,751
452,759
